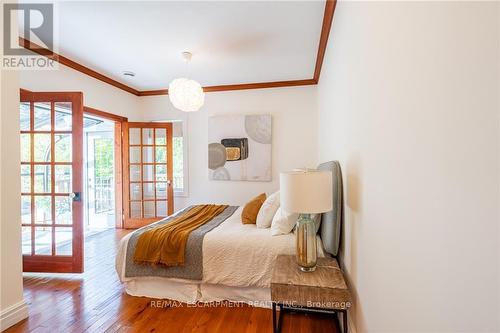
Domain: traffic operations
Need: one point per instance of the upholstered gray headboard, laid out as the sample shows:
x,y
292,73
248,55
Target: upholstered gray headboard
x,y
331,222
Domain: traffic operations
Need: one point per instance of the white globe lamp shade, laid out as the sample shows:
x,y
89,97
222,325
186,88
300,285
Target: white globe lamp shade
x,y
186,95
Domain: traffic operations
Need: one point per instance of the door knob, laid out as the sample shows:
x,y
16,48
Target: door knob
x,y
75,196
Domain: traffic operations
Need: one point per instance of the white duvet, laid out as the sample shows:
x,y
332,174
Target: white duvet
x,y
235,254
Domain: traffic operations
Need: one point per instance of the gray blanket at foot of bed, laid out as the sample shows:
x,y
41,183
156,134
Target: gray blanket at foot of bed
x,y
193,261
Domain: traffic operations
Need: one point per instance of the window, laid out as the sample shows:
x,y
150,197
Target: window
x,y
180,158
178,164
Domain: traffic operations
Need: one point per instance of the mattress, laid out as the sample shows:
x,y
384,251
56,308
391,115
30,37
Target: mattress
x,y
234,255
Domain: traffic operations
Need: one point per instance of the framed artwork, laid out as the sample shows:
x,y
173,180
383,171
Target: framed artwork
x,y
239,148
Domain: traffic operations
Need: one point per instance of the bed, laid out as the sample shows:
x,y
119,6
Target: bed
x,y
236,259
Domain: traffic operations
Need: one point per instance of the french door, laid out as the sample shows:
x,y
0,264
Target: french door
x,y
51,126
147,162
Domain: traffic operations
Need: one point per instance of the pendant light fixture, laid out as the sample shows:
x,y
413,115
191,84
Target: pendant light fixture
x,y
185,94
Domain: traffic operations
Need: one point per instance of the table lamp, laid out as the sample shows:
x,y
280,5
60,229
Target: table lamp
x,y
306,192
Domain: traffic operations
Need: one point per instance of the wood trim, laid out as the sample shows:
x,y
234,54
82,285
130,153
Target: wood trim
x,y
261,85
135,223
118,175
170,169
325,32
49,264
242,86
153,92
126,173
77,137
73,64
104,114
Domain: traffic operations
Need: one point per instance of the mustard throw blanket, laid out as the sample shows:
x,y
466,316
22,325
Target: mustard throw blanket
x,y
166,243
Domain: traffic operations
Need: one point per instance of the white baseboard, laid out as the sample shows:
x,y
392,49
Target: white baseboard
x,y
13,314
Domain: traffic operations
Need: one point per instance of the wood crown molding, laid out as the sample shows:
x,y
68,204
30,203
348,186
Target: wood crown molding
x,y
325,32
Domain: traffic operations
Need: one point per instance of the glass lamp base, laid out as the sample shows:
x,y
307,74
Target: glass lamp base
x,y
307,269
306,243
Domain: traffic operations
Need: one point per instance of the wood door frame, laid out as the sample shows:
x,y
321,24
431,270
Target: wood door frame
x,y
133,223
58,263
119,122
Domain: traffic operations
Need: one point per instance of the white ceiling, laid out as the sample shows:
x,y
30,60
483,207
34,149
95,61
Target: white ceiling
x,y
232,41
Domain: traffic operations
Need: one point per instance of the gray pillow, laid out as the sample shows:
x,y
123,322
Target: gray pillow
x,y
317,221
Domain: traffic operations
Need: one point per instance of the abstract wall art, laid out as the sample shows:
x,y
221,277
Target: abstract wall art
x,y
239,148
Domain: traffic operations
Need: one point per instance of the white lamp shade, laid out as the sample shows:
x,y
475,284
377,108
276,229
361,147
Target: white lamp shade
x,y
306,192
186,95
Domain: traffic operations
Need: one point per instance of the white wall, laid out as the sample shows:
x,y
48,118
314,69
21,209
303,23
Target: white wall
x,y
13,308
96,94
294,113
12,305
408,103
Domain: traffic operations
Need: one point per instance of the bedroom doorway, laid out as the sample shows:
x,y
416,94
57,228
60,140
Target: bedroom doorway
x,y
103,174
99,174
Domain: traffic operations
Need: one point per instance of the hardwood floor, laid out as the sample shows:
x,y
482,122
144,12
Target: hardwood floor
x,y
95,301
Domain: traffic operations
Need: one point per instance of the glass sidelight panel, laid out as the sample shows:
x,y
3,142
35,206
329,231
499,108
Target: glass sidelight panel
x,y
161,173
43,240
135,191
147,173
147,154
161,155
161,208
26,239
149,209
26,209
63,148
25,178
161,190
42,147
64,213
149,191
134,136
43,209
63,241
135,154
135,173
160,136
25,117
147,136
43,120
63,179
135,209
63,117
25,147
43,178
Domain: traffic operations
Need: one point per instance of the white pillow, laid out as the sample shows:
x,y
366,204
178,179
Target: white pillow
x,y
283,222
267,210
